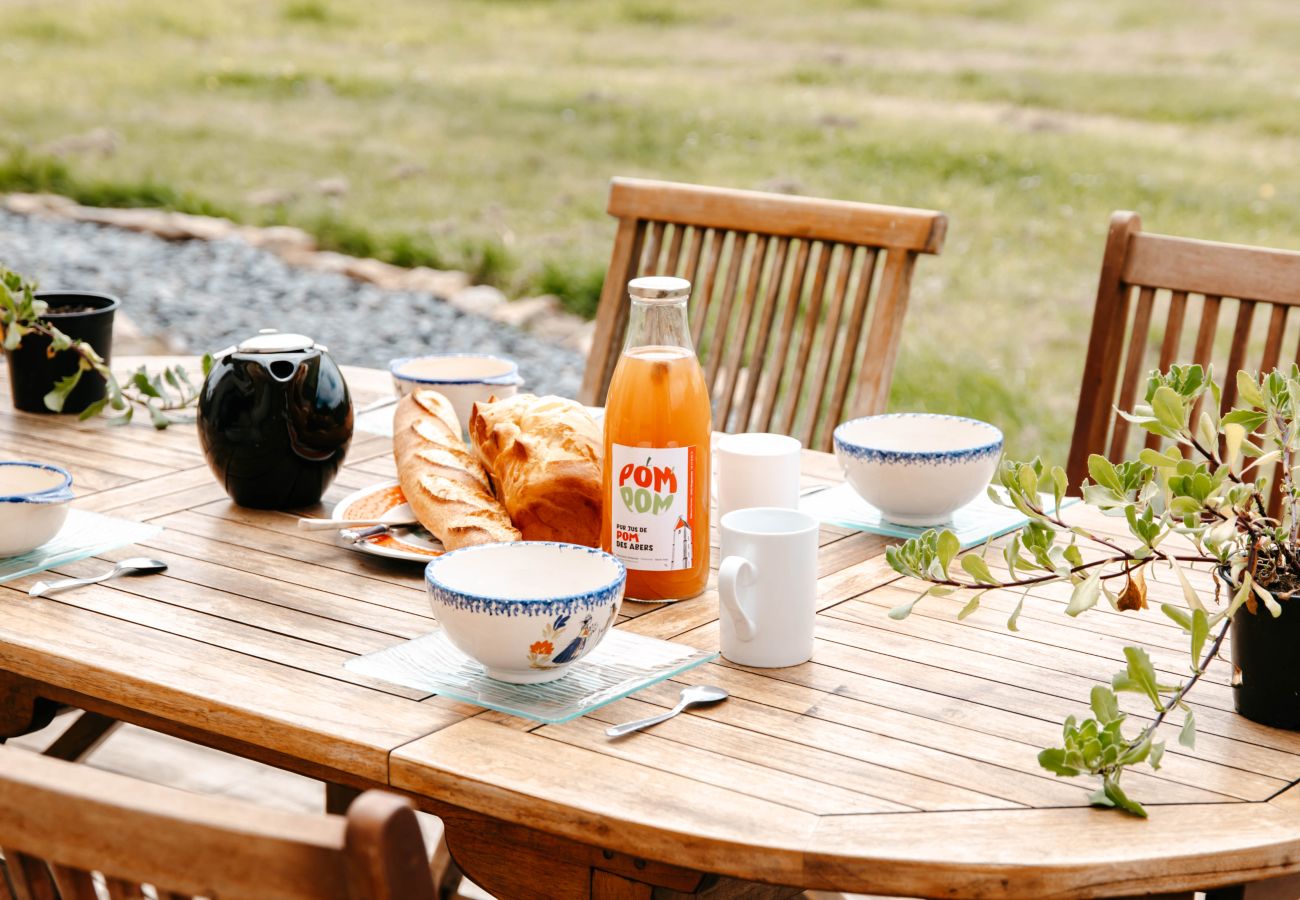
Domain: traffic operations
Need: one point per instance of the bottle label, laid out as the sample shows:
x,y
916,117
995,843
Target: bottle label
x,y
653,518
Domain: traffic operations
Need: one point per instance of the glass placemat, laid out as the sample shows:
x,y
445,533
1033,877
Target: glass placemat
x,y
83,535
973,524
622,664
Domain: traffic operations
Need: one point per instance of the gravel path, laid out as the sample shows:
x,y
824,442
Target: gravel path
x,y
204,295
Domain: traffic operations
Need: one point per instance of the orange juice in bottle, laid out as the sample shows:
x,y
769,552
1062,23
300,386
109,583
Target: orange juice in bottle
x,y
658,427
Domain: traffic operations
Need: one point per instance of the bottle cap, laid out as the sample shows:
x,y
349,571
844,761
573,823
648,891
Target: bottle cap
x,y
659,287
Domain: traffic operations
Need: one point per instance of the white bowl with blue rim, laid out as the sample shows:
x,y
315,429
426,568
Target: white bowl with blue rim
x,y
463,378
34,500
526,610
918,468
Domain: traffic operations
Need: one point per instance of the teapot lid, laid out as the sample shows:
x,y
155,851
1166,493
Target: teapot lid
x,y
268,340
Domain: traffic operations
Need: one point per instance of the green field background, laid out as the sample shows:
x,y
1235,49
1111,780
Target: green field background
x,y
482,134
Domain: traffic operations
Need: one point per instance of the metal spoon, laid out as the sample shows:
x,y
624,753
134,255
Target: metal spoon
x,y
398,515
691,696
136,565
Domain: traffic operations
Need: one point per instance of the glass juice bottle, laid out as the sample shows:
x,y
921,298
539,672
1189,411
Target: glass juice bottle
x,y
658,427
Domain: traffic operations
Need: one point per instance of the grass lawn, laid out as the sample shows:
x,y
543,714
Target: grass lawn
x,y
481,133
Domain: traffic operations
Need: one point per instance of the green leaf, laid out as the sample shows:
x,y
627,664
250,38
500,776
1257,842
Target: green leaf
x,y
1200,629
1183,619
1099,798
93,410
1187,735
1085,593
1142,674
948,547
1105,705
1157,753
1168,408
1189,593
1118,797
1248,390
977,569
55,399
1060,486
1015,615
1053,760
1156,459
1102,472
971,605
903,610
160,420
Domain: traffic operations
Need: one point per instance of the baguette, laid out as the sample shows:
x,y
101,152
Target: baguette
x,y
544,454
447,489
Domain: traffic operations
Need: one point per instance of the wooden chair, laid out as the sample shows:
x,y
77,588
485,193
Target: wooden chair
x,y
782,290
61,823
1154,278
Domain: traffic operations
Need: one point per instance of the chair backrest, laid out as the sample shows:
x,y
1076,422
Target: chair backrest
x,y
782,290
60,823
1151,287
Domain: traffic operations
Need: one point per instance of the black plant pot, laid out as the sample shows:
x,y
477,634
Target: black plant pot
x,y
33,371
1266,672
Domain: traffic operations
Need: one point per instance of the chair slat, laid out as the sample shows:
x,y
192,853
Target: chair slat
x,y
799,369
691,271
745,322
886,330
611,316
74,884
1237,352
650,265
674,254
1169,346
1273,341
767,314
852,340
794,293
740,245
6,889
1134,370
30,877
702,291
817,419
1204,349
121,889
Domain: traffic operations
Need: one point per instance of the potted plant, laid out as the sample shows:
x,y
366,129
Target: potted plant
x,y
1203,501
58,346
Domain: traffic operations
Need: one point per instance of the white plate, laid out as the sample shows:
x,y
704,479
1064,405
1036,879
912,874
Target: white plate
x,y
414,544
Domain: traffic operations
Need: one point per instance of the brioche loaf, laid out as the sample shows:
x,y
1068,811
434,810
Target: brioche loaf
x,y
446,487
544,453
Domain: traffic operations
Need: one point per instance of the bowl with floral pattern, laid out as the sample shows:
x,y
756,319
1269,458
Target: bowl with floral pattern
x,y
34,500
918,468
527,610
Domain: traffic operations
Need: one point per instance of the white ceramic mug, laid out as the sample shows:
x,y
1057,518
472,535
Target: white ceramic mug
x,y
767,586
757,469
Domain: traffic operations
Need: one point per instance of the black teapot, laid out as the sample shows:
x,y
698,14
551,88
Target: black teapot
x,y
275,420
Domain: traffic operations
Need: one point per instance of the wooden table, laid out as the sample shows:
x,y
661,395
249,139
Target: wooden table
x,y
901,760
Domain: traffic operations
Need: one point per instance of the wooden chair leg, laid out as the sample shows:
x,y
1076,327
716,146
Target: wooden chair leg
x,y
82,736
338,797
447,876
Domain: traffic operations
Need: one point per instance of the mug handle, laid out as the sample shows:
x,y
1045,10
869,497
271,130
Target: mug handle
x,y
729,593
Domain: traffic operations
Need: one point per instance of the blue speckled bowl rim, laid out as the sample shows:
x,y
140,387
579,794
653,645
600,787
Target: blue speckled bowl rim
x,y
880,454
511,377
512,606
60,493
